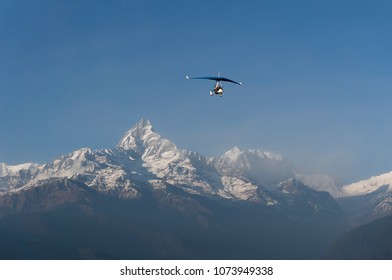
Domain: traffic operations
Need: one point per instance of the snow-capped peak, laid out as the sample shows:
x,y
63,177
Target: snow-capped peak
x,y
236,152
370,185
160,156
142,127
232,154
80,154
134,138
264,167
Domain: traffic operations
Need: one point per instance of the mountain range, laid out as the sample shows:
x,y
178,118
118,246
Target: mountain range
x,y
146,198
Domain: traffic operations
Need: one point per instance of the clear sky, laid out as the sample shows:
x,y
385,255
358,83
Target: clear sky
x,y
317,78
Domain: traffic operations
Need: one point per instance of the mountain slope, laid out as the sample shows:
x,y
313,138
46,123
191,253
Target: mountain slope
x,y
370,241
369,199
65,219
321,182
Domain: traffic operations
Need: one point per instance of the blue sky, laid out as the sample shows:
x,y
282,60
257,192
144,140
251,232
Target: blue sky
x,y
317,78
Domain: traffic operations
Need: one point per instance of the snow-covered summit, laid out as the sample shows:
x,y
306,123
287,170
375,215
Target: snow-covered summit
x,y
138,136
161,157
237,154
261,166
369,185
369,199
145,142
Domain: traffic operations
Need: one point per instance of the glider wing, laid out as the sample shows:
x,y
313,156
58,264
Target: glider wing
x,y
219,79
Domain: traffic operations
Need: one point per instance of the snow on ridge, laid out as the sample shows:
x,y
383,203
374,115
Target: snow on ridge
x,y
6,170
80,154
142,131
235,152
236,188
232,154
368,185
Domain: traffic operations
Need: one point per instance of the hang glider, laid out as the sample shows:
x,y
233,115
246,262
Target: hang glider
x,y
218,88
